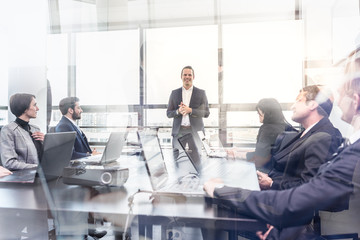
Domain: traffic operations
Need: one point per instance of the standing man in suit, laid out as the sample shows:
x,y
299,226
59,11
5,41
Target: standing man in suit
x,y
336,183
187,105
299,158
71,112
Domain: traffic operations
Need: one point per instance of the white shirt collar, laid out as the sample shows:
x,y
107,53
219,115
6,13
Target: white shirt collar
x,y
71,120
354,137
190,89
308,129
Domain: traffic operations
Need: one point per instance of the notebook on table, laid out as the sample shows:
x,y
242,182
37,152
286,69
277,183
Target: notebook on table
x,y
112,151
57,151
234,173
161,182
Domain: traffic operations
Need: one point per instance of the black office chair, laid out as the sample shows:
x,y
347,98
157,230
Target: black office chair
x,y
51,129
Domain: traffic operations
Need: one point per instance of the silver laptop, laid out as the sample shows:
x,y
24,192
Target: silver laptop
x,y
218,153
111,153
161,182
57,151
234,173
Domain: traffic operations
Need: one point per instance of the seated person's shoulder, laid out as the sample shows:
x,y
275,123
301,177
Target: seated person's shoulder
x,y
282,139
8,128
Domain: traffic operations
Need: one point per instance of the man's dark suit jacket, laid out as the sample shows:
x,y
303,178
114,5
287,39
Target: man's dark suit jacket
x,y
330,190
300,158
199,105
81,145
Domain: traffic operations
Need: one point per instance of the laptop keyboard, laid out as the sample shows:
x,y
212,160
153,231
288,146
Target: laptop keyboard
x,y
218,153
188,183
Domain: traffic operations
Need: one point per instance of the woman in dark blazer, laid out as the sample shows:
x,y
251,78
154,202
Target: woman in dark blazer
x,y
21,142
273,123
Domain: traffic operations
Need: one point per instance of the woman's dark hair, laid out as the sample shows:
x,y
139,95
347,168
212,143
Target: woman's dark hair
x,y
272,110
19,102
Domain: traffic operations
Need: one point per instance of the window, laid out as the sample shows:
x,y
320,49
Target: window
x,y
262,59
107,67
168,50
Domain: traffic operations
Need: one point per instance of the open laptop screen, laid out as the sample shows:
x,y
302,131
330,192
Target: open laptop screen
x,y
153,158
114,147
57,150
187,143
57,153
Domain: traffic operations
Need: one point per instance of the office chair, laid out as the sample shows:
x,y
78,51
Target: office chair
x,y
344,224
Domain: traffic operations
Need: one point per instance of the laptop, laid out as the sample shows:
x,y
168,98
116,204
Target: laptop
x,y
161,182
57,151
234,173
112,151
218,153
20,176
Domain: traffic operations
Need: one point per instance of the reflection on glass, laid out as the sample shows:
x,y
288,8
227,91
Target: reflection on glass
x,y
107,67
262,58
171,49
57,66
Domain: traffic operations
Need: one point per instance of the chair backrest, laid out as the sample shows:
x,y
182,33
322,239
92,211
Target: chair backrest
x,y
281,140
347,221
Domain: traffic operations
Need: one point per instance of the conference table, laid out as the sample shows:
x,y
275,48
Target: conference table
x,y
29,207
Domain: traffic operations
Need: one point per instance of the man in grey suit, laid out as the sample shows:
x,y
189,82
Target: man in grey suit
x,y
187,105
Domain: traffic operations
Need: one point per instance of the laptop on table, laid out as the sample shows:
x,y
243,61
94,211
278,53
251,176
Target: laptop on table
x,y
218,153
234,173
57,151
162,183
112,151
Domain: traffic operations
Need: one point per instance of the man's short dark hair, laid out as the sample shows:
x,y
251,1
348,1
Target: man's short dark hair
x,y
66,103
188,67
19,102
313,92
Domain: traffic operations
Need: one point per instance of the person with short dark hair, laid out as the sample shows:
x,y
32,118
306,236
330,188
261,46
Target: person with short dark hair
x,y
21,142
188,106
71,111
300,157
335,187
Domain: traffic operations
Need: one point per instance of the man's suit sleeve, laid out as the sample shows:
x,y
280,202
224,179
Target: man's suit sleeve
x,y
172,107
329,190
316,149
203,110
68,128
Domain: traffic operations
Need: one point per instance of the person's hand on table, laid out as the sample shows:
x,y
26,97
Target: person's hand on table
x,y
94,152
265,181
4,172
209,186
